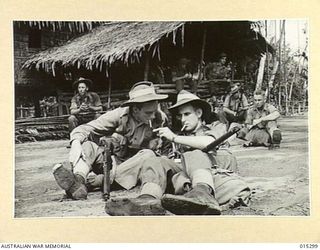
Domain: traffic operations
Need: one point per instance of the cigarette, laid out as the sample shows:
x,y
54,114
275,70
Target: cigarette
x,y
183,128
150,123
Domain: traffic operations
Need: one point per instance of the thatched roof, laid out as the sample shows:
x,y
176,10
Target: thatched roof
x,y
79,26
110,42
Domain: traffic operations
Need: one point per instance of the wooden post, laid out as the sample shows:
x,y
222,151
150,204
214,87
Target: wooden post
x,y
60,108
147,65
36,103
204,38
21,111
109,89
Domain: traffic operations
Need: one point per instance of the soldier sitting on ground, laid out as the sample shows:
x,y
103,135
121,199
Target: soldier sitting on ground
x,y
85,105
235,106
261,123
199,173
133,124
202,181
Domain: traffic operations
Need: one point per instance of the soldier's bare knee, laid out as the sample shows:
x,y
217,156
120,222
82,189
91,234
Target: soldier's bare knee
x,y
72,118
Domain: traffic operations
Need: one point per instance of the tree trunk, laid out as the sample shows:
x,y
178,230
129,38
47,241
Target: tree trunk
x,y
260,72
273,74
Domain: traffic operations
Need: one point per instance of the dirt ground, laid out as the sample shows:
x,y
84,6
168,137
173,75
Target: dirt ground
x,y
279,179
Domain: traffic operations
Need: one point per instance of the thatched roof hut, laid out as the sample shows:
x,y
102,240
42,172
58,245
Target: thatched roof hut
x,y
110,42
127,41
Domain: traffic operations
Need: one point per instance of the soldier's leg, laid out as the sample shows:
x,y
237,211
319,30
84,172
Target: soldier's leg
x,y
226,160
151,171
198,168
275,133
181,183
257,137
74,181
127,173
73,122
231,139
153,175
200,199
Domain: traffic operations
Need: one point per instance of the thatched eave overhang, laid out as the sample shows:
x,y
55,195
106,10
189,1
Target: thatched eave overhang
x,y
106,44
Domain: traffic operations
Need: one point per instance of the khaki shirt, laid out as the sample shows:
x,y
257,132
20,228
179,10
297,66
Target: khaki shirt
x,y
90,98
178,72
203,130
217,70
255,113
235,104
121,122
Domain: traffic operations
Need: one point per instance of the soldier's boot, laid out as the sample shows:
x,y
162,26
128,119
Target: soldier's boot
x,y
73,184
142,205
198,201
276,139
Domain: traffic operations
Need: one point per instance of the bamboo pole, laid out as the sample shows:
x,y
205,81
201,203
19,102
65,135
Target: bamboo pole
x,y
280,64
285,68
109,89
267,59
204,38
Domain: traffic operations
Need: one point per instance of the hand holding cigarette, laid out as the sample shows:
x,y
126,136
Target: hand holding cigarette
x,y
165,132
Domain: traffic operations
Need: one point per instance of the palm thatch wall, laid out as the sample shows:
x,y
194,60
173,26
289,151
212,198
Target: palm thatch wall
x,y
107,43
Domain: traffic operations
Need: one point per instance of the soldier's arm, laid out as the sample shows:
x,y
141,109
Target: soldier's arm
x,y
274,114
249,119
197,142
245,104
226,106
74,109
97,106
104,125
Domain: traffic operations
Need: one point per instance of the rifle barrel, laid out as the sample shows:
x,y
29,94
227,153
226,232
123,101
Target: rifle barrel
x,y
221,139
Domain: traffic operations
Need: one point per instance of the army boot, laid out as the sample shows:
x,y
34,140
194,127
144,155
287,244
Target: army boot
x,y
142,205
73,184
276,139
198,201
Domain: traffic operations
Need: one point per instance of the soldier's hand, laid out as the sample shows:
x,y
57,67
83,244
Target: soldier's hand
x,y
153,144
84,107
95,180
75,152
165,133
106,141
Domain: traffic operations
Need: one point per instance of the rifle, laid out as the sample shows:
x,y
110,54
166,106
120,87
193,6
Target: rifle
x,y
107,166
221,139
